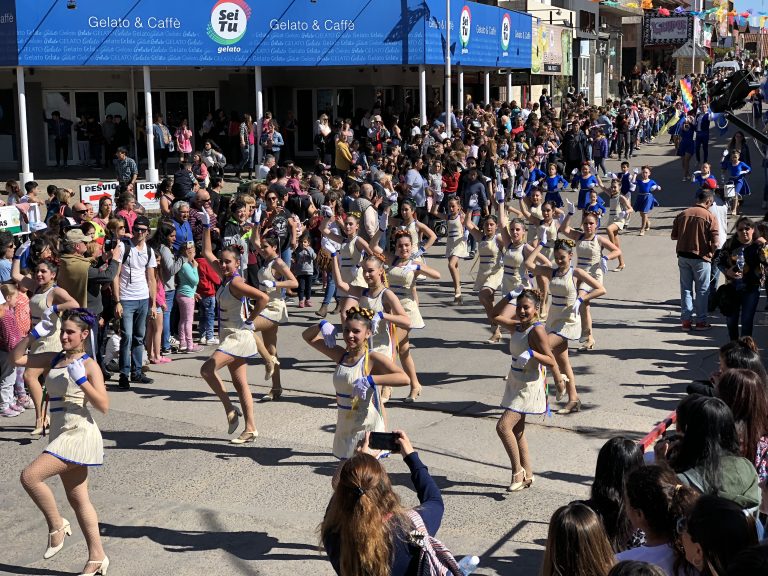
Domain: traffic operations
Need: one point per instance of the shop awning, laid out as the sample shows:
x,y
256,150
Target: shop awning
x,y
686,51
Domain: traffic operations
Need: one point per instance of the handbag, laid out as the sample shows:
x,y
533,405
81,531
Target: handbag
x,y
727,299
434,558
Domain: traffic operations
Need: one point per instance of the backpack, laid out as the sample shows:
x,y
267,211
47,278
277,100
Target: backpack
x,y
127,245
434,558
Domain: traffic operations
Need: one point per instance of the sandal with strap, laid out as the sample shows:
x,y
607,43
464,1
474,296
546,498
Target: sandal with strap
x,y
53,550
102,569
233,417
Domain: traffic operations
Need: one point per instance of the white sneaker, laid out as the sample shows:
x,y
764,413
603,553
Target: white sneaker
x,y
213,341
173,341
203,341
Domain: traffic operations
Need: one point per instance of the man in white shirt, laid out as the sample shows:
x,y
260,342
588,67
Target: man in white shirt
x,y
263,170
135,294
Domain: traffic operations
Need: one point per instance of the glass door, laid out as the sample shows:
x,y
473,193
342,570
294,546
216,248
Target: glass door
x,y
115,129
203,103
58,140
7,126
305,121
345,103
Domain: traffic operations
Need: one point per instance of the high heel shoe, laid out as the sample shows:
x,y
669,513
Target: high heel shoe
x,y
495,337
273,394
457,300
53,550
522,484
561,394
572,406
246,437
269,367
40,430
411,398
386,394
619,268
233,417
589,344
102,569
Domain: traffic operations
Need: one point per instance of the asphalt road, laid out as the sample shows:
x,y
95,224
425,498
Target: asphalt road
x,y
175,497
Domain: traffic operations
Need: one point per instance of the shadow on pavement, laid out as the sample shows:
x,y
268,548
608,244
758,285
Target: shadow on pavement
x,y
28,571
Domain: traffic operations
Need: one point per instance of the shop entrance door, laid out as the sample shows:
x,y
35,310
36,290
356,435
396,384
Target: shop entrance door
x,y
310,103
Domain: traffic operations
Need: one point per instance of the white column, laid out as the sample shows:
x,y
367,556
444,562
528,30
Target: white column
x,y
151,174
461,88
509,86
25,175
448,127
259,109
423,95
487,93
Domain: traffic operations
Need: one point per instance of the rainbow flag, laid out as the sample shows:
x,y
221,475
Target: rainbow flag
x,y
685,90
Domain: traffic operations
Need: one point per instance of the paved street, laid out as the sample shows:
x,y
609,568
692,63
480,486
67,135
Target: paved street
x,y
175,497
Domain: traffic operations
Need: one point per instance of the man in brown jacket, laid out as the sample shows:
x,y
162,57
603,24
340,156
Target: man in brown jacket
x,y
696,231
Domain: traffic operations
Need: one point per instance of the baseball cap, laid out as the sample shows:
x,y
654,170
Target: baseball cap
x,y
709,183
76,235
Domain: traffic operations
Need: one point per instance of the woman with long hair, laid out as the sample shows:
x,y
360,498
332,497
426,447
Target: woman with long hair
x,y
455,243
645,200
616,460
742,260
169,265
707,457
714,532
416,229
247,133
165,198
236,327
274,275
620,211
563,320
366,530
402,274
654,501
576,544
104,212
47,302
73,380
526,387
490,267
358,378
736,170
590,258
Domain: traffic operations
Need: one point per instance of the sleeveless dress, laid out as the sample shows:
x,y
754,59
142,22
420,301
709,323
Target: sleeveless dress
x,y
235,341
413,231
526,388
350,266
615,208
385,340
276,309
74,436
38,304
490,270
455,245
561,320
644,198
354,417
515,274
589,255
533,229
548,249
401,282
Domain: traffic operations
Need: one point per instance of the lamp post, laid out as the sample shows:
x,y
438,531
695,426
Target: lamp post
x,y
448,127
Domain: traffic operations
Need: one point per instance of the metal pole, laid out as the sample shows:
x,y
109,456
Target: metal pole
x,y
460,103
448,127
259,108
423,95
487,92
509,87
25,175
151,173
693,41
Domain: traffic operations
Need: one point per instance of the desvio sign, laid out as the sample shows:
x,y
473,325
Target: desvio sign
x,y
258,33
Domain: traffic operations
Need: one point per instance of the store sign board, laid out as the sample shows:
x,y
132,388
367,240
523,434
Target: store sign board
x,y
548,49
92,193
146,192
8,46
10,220
256,33
675,30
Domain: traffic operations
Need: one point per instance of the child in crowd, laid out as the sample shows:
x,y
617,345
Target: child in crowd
x,y
303,269
207,285
12,400
186,286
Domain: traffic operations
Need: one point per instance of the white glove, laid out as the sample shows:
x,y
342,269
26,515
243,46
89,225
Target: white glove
x,y
513,294
76,371
543,237
205,218
412,267
623,214
247,325
269,283
519,193
655,188
466,234
611,175
375,321
361,386
635,170
743,173
574,171
420,252
697,172
328,245
571,208
522,360
544,186
604,264
592,185
42,329
21,249
577,305
257,215
535,183
384,220
328,331
725,153
326,211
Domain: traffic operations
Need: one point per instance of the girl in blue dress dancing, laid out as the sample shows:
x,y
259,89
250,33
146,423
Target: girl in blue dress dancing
x,y
645,200
735,171
553,183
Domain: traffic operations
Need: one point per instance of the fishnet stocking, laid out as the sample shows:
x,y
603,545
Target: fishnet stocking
x,y
75,481
511,430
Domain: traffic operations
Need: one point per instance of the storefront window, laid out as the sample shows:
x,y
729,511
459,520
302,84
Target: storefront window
x,y
7,126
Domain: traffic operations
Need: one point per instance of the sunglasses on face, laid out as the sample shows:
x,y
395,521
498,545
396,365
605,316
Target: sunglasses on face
x,y
142,230
81,211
